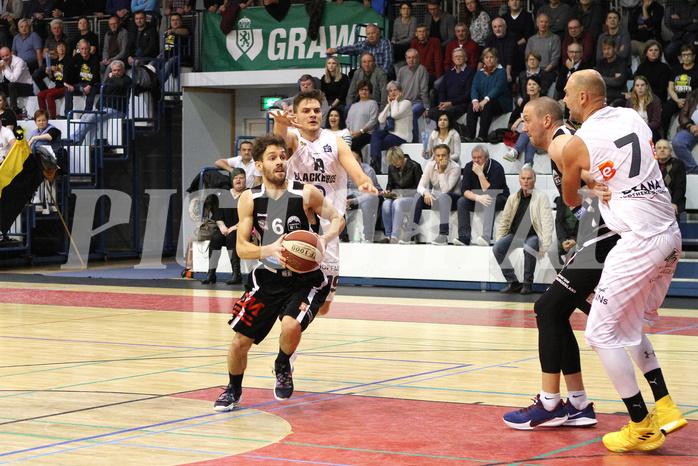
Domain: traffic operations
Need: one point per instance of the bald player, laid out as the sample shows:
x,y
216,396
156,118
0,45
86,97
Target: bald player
x,y
572,289
615,146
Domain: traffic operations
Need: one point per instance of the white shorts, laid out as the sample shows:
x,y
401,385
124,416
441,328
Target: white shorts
x,y
635,278
330,265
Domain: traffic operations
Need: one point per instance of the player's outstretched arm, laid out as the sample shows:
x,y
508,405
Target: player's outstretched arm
x,y
353,169
575,157
245,249
282,121
315,201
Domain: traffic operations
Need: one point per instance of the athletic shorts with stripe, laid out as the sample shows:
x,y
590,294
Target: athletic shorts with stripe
x,y
272,295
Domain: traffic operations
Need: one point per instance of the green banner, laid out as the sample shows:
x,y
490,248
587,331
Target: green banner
x,y
259,42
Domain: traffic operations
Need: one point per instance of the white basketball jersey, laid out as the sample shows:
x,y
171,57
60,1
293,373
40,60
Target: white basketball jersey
x,y
622,156
317,163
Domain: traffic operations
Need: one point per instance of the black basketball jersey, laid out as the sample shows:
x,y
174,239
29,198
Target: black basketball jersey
x,y
591,226
274,217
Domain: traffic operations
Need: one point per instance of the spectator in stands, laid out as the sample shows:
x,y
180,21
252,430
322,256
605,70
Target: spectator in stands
x,y
213,5
674,173
150,7
548,45
115,46
144,41
484,184
523,143
362,118
114,103
519,24
75,8
27,45
619,35
532,69
490,96
506,49
41,10
334,84
592,17
8,118
50,43
176,42
430,53
683,22
683,79
11,12
559,14
462,41
82,77
527,222
455,88
573,64
477,20
181,7
375,75
244,161
45,133
577,35
305,83
336,125
404,29
414,79
645,23
366,203
229,11
85,33
439,188
397,120
225,214
614,72
47,98
444,134
120,8
18,81
566,229
7,142
654,69
379,47
648,105
440,25
403,178
687,138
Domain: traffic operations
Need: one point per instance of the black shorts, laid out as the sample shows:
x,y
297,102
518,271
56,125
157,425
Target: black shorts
x,y
272,295
576,282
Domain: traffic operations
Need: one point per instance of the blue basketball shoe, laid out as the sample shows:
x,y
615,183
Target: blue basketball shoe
x,y
536,416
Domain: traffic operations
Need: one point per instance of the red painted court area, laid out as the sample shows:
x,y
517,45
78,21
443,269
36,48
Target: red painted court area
x,y
327,429
487,316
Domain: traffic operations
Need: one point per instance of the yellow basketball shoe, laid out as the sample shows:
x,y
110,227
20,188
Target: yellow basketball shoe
x,y
644,435
667,415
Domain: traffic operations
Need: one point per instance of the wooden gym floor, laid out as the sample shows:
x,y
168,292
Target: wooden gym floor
x,y
110,371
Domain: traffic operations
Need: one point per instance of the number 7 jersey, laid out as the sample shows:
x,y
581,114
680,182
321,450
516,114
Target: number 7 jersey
x,y
622,156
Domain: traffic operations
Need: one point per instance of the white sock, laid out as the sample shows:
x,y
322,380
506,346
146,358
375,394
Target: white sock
x,y
578,399
549,400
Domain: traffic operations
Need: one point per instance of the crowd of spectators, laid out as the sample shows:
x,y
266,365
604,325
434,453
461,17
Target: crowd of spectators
x,y
43,59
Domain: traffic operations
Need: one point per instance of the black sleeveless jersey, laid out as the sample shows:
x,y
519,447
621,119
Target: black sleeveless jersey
x,y
274,217
591,223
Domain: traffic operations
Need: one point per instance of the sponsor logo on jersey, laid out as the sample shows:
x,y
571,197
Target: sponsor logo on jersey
x,y
607,170
315,178
648,188
262,220
672,259
293,223
327,148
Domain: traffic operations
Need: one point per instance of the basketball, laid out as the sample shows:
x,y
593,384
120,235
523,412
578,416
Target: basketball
x,y
302,251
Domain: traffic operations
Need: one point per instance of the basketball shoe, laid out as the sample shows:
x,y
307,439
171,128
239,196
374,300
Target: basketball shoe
x,y
643,435
579,418
283,387
667,415
536,416
228,400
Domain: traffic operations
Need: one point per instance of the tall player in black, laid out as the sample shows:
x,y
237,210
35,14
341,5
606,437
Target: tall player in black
x,y
275,208
572,289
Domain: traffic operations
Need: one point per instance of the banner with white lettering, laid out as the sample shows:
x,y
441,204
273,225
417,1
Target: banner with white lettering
x,y
259,42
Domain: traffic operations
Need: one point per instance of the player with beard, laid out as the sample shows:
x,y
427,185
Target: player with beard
x,y
274,208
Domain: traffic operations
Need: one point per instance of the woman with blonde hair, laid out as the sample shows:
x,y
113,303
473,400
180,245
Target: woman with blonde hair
x,y
334,83
648,105
403,178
